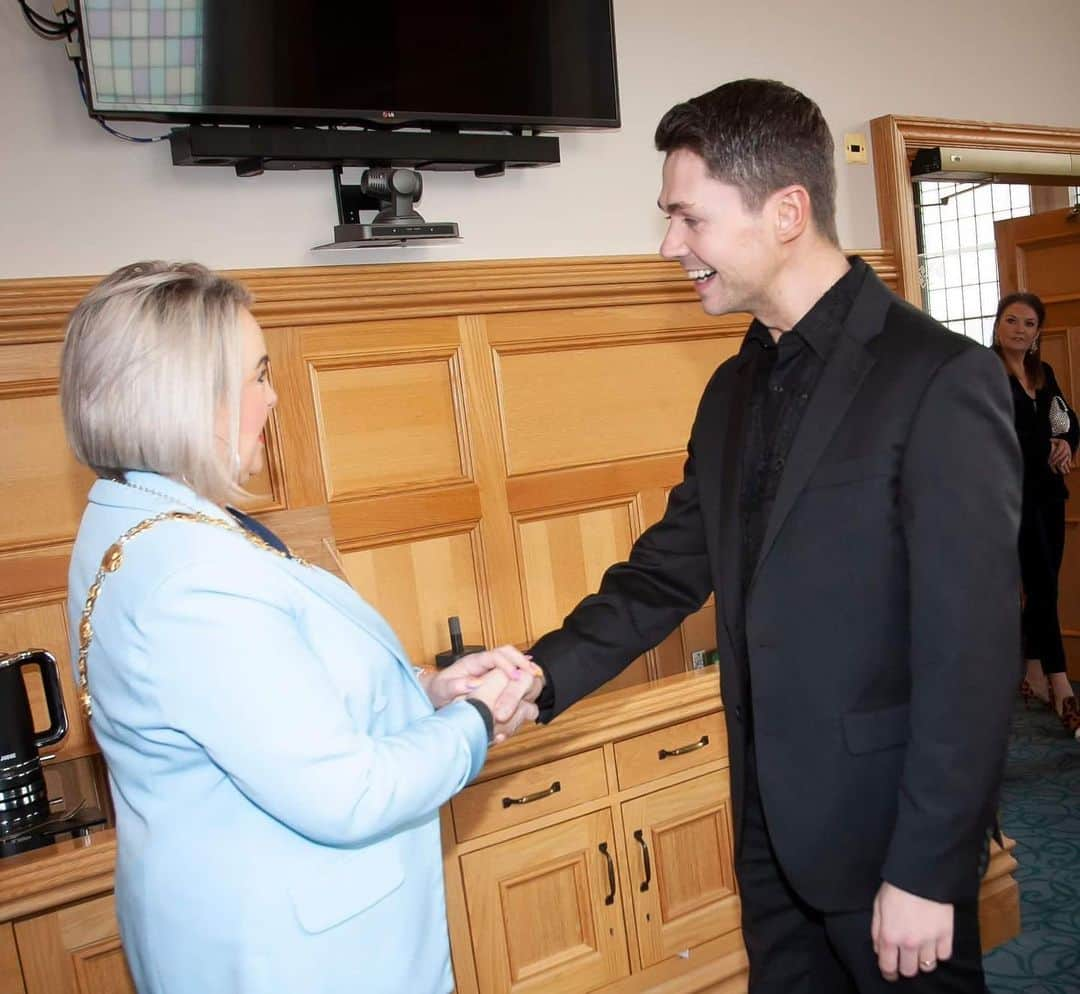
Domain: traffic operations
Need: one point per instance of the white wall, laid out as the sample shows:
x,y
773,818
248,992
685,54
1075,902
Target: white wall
x,y
77,201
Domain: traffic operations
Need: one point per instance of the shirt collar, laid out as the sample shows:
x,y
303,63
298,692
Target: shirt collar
x,y
822,325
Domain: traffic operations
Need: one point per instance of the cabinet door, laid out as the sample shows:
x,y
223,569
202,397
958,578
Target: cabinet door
x,y
544,911
10,971
680,845
75,950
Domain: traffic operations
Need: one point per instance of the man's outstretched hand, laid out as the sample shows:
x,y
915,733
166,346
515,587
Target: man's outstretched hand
x,y
515,704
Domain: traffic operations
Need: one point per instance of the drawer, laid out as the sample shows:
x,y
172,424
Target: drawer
x,y
519,797
669,750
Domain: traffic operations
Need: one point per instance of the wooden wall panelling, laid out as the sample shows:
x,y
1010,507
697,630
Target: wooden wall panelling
x,y
384,407
620,387
698,630
43,488
294,419
496,525
391,422
373,520
652,475
605,389
563,555
416,585
34,310
388,404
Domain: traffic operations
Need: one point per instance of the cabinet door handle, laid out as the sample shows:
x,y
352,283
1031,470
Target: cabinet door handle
x,y
683,750
529,798
610,899
640,836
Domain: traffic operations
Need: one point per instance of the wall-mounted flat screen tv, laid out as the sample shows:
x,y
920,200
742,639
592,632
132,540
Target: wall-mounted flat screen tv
x,y
477,64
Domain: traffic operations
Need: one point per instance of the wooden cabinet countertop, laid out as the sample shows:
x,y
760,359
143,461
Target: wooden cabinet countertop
x,y
66,871
81,868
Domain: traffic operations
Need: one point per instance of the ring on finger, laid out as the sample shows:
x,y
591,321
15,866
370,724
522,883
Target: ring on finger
x,y
927,964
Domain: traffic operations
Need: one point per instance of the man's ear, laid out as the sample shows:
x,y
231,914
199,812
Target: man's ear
x,y
792,211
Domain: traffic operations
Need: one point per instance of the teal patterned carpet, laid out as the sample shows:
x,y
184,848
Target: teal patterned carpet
x,y
1040,808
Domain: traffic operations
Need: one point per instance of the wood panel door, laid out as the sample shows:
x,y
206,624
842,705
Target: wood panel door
x,y
1041,254
10,971
544,910
74,950
683,890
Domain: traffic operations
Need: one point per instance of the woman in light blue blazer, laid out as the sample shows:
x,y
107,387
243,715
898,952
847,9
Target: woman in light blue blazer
x,y
276,763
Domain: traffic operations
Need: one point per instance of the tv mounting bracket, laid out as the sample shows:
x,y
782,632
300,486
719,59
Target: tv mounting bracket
x,y
392,193
252,150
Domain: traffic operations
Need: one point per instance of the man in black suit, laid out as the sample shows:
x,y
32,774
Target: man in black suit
x,y
852,495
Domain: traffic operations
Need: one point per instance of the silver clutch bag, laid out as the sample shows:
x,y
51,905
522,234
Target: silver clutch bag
x,y
1059,417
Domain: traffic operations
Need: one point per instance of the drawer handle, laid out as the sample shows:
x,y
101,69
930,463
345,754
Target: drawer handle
x,y
683,750
529,798
639,835
610,899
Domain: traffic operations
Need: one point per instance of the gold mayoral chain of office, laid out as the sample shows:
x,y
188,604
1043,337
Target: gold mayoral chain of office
x,y
114,557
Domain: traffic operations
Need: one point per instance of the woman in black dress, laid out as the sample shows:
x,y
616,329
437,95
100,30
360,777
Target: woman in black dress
x,y
1048,431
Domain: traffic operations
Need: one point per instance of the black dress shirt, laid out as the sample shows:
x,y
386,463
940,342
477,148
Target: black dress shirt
x,y
786,373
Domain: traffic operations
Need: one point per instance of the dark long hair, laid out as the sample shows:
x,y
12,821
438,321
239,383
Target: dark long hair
x,y
1033,365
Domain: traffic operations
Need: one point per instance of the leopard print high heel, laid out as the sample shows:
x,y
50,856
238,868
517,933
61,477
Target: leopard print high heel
x,y
1028,695
1069,715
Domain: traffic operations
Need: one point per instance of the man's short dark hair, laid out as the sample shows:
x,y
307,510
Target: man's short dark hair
x,y
759,135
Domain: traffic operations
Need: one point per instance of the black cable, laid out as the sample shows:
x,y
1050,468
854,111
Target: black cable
x,y
39,20
111,131
54,31
46,28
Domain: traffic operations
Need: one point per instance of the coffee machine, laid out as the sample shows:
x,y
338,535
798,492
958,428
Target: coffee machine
x,y
24,802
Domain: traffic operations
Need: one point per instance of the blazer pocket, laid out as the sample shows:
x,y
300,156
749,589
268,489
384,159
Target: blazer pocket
x,y
872,731
338,889
851,471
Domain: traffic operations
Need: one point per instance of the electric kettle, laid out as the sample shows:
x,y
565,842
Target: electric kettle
x,y
23,799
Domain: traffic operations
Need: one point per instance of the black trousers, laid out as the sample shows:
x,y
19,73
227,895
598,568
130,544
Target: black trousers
x,y
797,949
1042,543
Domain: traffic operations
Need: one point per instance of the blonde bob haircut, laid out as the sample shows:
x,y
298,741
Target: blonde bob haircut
x,y
151,355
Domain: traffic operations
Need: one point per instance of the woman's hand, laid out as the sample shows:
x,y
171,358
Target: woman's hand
x,y
463,676
507,700
1060,456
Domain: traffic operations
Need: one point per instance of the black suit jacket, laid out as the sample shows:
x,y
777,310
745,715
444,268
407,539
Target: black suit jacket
x,y
880,628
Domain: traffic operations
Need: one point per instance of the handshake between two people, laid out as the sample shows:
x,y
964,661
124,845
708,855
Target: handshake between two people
x,y
505,679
